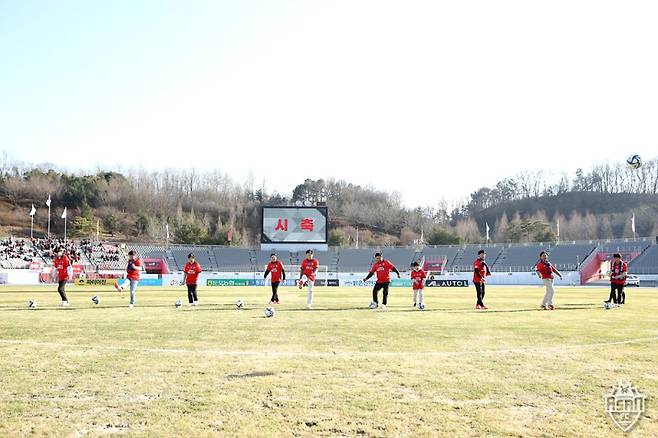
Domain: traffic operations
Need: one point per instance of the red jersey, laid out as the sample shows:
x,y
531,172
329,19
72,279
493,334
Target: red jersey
x,y
480,271
62,265
192,270
309,267
133,274
276,269
383,270
617,269
418,279
545,269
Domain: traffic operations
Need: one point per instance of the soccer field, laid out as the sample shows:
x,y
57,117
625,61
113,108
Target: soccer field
x,y
338,370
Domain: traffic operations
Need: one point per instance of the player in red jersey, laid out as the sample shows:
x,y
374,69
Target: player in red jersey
x,y
480,272
382,268
191,272
63,272
545,270
307,276
133,274
618,271
275,267
418,276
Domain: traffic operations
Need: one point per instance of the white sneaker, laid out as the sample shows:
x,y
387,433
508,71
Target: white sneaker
x,y
190,304
196,303
130,306
65,304
383,307
309,306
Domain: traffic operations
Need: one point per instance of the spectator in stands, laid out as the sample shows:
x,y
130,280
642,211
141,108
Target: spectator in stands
x,y
480,272
546,271
618,271
191,272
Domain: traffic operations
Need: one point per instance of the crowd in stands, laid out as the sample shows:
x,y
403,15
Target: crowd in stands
x,y
101,252
17,249
48,246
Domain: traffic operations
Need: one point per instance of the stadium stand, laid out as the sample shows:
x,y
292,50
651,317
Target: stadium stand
x,y
568,257
47,246
646,263
103,255
155,252
400,257
355,260
435,252
517,258
202,254
464,259
17,253
233,259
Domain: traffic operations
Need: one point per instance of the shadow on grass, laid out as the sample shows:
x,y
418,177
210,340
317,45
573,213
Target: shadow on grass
x,y
249,375
231,308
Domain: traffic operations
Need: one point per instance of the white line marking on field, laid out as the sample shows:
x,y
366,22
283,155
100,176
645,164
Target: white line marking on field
x,y
322,354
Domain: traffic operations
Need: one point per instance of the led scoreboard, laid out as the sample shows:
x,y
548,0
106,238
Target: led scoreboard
x,y
294,225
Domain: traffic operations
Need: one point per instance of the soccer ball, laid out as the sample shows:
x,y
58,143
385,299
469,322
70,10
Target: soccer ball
x,y
239,304
608,306
421,306
32,304
269,312
95,299
373,305
178,303
634,161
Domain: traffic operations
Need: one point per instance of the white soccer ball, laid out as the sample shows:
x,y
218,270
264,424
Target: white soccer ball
x,y
239,304
95,299
634,161
608,306
32,304
373,305
269,312
178,303
421,306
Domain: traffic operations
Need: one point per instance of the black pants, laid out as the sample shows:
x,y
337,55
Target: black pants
x,y
384,288
191,293
275,291
60,289
479,290
617,294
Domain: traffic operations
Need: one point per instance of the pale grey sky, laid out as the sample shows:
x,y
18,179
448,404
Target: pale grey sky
x,y
429,98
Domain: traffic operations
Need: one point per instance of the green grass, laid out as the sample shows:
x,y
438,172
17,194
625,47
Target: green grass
x,y
339,370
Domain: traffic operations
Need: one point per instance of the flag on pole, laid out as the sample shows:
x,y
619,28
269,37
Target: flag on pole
x,y
357,237
33,211
48,204
633,223
487,228
98,229
167,230
422,235
229,235
64,213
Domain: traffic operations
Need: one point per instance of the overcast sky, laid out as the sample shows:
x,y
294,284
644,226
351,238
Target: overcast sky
x,y
431,99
